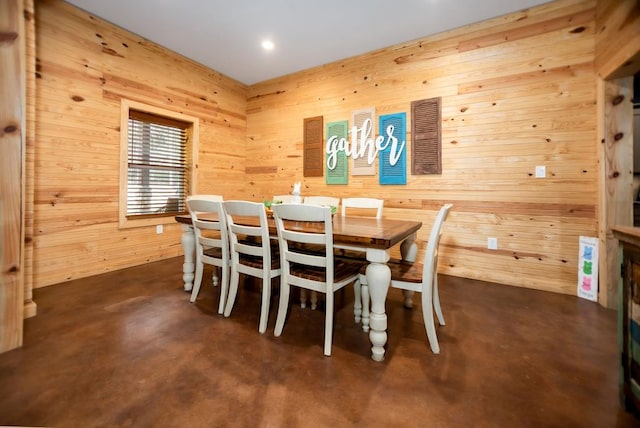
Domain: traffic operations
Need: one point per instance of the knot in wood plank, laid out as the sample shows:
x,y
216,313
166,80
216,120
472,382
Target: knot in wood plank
x,y
8,37
10,128
617,100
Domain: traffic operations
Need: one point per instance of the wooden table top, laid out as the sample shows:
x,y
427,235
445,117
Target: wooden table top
x,y
359,231
628,234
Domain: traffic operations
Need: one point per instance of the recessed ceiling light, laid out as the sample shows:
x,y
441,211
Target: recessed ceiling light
x,y
268,45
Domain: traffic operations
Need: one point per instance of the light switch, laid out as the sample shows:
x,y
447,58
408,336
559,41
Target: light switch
x,y
541,171
159,229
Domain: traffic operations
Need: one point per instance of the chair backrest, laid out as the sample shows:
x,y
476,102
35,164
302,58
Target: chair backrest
x,y
199,209
431,253
361,205
218,198
322,200
252,241
294,243
285,199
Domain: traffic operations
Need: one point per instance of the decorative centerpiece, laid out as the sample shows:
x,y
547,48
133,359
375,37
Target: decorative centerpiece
x,y
267,206
297,199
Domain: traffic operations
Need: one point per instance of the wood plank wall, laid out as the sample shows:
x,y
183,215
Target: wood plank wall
x,y
617,60
618,38
30,307
517,91
12,148
85,66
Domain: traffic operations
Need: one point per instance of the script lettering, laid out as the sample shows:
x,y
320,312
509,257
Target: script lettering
x,y
361,145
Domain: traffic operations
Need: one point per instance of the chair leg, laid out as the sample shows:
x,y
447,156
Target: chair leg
x,y
303,298
215,276
427,315
233,291
282,307
436,300
357,303
224,288
364,293
328,323
197,281
314,300
266,297
408,299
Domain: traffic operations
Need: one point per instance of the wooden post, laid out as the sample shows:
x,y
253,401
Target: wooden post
x,y
616,136
30,307
12,149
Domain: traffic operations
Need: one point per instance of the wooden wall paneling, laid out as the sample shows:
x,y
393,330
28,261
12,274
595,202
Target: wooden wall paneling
x,y
617,57
617,177
528,100
12,172
517,91
30,307
618,26
94,249
85,66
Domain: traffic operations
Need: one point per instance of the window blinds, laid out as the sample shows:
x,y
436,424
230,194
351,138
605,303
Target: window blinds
x,y
156,165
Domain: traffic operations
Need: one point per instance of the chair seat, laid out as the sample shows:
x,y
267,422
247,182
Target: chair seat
x,y
311,249
402,270
256,262
213,252
342,269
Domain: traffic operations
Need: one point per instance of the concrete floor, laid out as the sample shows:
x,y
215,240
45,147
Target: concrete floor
x,y
127,348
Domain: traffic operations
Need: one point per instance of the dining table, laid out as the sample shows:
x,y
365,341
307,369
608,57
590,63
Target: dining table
x,y
375,237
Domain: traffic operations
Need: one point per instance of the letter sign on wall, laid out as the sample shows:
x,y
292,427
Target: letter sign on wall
x,y
336,152
392,157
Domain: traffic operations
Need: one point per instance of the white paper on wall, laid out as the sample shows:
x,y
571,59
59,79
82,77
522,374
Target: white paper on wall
x,y
588,268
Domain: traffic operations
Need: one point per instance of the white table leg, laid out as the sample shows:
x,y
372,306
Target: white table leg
x,y
409,252
188,241
378,280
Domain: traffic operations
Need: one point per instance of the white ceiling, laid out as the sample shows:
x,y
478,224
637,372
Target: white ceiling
x,y
226,35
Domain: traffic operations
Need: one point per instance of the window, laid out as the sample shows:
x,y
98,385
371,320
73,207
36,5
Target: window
x,y
157,150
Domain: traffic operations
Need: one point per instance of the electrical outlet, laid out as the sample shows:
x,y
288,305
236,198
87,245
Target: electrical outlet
x,y
541,171
159,229
492,243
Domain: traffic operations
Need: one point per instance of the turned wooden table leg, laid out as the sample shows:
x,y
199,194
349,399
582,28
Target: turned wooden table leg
x,y
378,279
188,241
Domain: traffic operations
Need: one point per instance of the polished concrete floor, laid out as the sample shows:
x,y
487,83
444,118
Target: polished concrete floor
x,y
127,349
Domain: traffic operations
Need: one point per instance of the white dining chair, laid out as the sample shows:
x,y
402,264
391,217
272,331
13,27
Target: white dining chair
x,y
370,207
212,243
315,271
420,277
205,196
285,199
329,201
253,253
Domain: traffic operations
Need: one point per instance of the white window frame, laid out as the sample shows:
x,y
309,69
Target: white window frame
x,y
191,160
